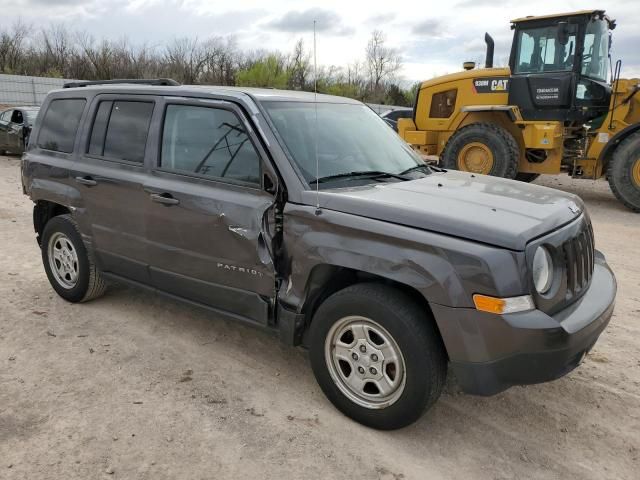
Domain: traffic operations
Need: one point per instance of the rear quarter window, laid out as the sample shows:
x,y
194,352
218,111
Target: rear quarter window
x,y
60,124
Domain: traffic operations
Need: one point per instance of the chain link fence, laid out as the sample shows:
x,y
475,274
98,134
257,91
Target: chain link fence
x,y
23,90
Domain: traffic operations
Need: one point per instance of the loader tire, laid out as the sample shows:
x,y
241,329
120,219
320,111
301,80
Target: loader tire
x,y
483,148
623,172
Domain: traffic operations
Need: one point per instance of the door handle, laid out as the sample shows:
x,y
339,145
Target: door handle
x,y
88,181
164,198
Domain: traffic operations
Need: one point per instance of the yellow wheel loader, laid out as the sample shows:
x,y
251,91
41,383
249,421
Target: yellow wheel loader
x,y
552,110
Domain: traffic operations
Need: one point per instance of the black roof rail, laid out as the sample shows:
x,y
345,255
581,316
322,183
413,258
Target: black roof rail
x,y
136,81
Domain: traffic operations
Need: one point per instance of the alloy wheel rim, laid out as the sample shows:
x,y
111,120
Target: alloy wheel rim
x,y
475,157
63,260
365,362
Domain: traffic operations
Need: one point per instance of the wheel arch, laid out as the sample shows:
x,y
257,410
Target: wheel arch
x,y
498,117
45,210
609,149
326,279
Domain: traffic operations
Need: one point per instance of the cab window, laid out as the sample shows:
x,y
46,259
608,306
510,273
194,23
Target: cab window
x,y
540,51
595,53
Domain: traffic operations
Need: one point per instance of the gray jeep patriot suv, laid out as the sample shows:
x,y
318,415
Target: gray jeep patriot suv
x,y
309,217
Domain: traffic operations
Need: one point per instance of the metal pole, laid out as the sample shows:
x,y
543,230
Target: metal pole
x,y
33,89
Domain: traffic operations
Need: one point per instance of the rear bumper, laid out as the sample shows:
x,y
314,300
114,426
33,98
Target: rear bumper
x,y
490,353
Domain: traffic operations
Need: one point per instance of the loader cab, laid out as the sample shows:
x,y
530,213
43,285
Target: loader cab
x,y
559,66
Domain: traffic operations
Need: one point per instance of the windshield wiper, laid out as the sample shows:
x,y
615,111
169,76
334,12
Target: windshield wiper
x,y
415,168
373,174
428,166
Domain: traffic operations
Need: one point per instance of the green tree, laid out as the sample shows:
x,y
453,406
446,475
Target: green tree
x,y
268,72
396,96
340,89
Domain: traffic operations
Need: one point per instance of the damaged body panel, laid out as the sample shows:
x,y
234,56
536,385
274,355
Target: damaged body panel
x,y
445,270
308,217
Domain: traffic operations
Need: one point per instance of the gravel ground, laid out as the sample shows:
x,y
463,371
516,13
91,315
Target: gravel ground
x,y
137,386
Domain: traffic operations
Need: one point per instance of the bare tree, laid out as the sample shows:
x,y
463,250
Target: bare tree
x,y
220,61
186,58
60,51
299,66
58,47
11,46
98,56
383,62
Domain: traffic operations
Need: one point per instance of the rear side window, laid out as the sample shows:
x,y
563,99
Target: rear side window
x,y
60,124
120,130
208,141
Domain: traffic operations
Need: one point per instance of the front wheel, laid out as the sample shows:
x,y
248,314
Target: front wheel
x,y
623,172
483,148
377,355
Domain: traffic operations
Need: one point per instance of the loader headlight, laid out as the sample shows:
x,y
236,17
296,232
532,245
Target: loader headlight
x,y
542,270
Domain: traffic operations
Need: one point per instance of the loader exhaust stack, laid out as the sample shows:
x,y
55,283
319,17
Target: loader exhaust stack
x,y
488,63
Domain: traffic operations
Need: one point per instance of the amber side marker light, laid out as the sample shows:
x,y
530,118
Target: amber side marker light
x,y
488,304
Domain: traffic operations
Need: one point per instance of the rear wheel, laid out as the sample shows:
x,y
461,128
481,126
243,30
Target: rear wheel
x,y
483,148
69,267
377,356
623,172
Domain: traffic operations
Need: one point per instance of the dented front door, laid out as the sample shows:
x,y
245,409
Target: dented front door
x,y
207,229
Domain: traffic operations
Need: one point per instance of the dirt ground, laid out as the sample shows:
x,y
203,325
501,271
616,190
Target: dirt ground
x,y
137,386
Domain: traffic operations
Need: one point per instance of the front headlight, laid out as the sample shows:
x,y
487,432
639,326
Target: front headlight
x,y
542,270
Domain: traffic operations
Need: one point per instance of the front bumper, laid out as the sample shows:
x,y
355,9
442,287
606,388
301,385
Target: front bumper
x,y
490,353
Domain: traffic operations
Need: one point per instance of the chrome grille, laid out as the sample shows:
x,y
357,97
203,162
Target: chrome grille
x,y
579,253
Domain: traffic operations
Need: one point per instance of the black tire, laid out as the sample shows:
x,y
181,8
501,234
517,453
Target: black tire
x,y
527,177
413,331
504,148
620,172
89,283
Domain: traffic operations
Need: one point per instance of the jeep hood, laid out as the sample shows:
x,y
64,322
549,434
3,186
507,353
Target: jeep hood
x,y
500,212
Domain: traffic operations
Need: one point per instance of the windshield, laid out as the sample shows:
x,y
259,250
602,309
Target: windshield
x,y
539,50
349,138
595,54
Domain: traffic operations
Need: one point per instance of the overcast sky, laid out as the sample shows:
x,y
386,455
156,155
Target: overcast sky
x,y
434,37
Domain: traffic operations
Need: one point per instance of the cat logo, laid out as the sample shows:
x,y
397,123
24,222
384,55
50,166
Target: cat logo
x,y
499,85
491,85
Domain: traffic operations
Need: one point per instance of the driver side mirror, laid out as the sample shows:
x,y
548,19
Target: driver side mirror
x,y
269,184
563,33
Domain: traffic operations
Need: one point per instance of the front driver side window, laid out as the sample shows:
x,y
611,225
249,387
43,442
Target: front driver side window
x,y
210,142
